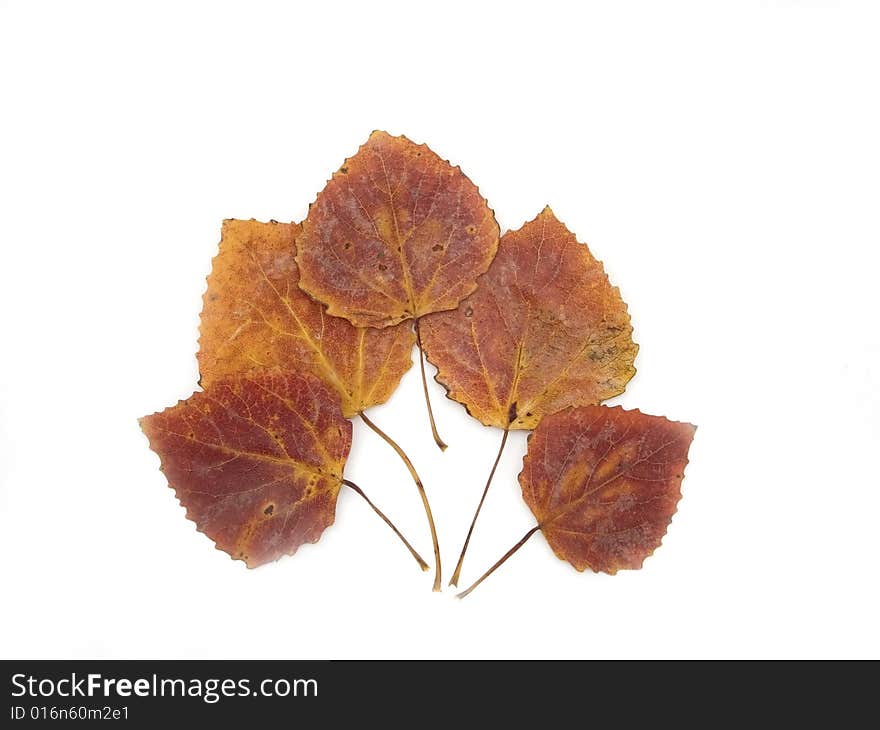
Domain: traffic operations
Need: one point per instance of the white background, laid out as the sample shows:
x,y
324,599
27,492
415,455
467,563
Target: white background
x,y
721,159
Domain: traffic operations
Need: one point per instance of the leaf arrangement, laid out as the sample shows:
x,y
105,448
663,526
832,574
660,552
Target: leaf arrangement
x,y
305,326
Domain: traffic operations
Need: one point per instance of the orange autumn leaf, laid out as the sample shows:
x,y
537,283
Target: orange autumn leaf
x,y
604,483
397,233
255,316
256,460
544,330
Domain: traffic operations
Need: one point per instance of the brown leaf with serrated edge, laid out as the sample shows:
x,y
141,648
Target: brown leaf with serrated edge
x,y
396,233
255,316
256,460
543,331
604,483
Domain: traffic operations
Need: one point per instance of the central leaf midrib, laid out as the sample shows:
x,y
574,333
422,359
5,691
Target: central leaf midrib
x,y
398,247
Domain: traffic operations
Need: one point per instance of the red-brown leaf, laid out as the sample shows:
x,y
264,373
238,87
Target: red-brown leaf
x,y
256,460
544,330
604,483
397,233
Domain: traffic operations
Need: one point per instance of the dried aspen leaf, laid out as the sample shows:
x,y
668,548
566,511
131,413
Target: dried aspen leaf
x,y
256,460
604,483
255,316
396,233
543,331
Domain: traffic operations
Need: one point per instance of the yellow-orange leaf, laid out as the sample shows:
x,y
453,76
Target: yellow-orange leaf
x,y
255,316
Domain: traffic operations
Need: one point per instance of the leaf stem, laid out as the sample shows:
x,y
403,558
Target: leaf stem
x,y
417,479
436,435
457,574
502,561
351,485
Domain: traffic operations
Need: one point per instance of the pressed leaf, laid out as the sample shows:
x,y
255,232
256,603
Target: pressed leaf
x,y
255,316
256,460
543,331
397,233
604,483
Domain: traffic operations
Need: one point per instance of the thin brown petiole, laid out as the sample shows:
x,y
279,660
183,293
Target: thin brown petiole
x,y
457,574
501,562
351,485
436,435
415,475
